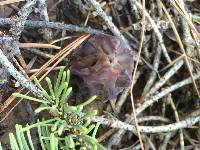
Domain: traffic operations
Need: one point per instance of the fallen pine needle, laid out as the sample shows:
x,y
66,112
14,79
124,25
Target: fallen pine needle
x,y
6,2
38,45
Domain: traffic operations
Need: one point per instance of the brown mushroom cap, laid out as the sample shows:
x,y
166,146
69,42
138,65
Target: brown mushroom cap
x,y
105,63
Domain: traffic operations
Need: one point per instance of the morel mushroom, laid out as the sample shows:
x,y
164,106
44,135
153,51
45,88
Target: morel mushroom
x,y
105,63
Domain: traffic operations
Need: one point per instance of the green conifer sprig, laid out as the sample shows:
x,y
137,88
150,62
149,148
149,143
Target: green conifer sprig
x,y
66,130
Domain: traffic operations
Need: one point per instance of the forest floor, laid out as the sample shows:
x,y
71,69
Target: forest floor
x,y
141,59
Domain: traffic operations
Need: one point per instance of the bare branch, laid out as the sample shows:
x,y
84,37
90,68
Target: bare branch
x,y
12,71
5,22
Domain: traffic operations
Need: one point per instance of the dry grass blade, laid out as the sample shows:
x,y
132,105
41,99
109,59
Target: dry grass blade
x,y
59,57
173,62
36,70
71,46
186,17
67,52
134,74
21,61
6,2
38,45
20,68
181,47
181,56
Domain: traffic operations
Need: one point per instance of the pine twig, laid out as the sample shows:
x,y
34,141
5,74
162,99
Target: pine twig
x,y
149,101
181,48
157,32
29,24
147,129
19,77
153,73
106,19
177,120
